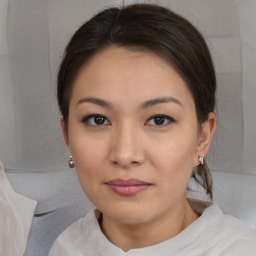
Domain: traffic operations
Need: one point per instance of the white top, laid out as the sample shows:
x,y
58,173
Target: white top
x,y
212,234
16,213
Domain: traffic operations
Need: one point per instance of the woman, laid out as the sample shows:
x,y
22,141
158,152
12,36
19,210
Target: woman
x,y
136,90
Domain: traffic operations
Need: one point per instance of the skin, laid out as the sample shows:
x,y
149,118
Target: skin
x,y
130,144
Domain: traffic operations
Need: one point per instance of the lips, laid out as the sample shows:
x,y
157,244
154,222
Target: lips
x,y
129,187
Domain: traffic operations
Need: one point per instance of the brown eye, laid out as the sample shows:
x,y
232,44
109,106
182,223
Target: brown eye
x,y
160,120
96,120
99,120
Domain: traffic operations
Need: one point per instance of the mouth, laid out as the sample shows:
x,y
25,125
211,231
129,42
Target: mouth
x,y
129,187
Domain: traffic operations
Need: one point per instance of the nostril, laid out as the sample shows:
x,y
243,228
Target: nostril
x,y
125,164
134,163
115,163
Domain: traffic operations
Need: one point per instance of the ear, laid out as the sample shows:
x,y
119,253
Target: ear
x,y
205,137
64,130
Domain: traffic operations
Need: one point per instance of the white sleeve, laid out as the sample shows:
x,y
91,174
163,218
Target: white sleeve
x,y
16,214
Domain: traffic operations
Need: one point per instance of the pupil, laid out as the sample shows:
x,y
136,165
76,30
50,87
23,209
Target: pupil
x,y
159,120
99,120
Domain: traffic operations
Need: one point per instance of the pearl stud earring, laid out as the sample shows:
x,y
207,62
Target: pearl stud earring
x,y
201,160
71,162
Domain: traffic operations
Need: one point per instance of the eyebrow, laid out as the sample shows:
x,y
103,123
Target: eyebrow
x,y
95,101
146,104
153,102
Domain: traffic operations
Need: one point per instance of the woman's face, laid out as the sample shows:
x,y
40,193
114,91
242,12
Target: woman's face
x,y
133,135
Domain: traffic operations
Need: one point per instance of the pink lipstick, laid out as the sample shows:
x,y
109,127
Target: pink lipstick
x,y
128,187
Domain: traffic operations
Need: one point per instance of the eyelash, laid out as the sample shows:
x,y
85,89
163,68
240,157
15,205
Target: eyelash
x,y
86,119
167,120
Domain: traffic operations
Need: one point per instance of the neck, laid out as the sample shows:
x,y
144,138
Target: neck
x,y
160,229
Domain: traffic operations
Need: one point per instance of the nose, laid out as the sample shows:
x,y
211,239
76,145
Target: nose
x,y
127,147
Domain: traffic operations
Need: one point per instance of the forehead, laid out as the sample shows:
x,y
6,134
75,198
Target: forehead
x,y
138,75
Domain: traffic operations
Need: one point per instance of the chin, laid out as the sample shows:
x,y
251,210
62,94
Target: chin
x,y
129,215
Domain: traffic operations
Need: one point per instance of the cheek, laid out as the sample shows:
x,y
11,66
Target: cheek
x,y
176,154
173,160
174,171
89,160
89,156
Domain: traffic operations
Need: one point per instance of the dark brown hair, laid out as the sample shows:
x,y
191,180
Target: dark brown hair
x,y
145,27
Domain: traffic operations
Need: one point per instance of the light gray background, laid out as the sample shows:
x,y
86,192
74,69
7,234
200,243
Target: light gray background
x,y
33,34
